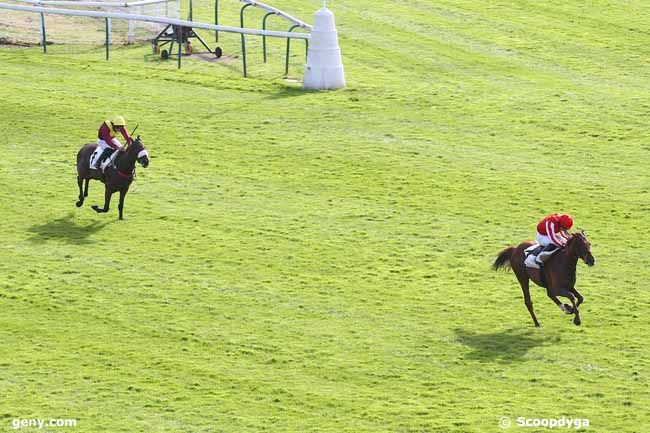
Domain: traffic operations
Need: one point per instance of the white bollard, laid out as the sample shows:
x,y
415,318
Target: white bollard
x,y
324,68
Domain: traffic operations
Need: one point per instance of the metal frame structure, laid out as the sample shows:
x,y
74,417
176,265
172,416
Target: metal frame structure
x,y
177,34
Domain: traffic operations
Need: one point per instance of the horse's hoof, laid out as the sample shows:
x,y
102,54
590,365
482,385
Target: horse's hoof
x,y
96,208
79,203
576,321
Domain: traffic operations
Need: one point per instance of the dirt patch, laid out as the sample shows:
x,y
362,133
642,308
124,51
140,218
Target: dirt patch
x,y
6,42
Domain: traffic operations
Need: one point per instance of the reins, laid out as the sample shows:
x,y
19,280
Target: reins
x,y
128,176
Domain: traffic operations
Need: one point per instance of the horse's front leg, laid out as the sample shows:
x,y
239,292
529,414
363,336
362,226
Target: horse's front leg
x,y
577,295
107,201
86,188
568,294
564,307
120,207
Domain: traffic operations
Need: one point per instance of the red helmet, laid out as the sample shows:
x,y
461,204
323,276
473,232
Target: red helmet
x,y
566,221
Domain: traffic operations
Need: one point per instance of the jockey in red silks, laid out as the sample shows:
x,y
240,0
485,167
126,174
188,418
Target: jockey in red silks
x,y
552,232
108,144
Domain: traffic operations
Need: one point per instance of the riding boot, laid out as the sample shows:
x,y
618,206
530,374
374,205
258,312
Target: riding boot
x,y
541,257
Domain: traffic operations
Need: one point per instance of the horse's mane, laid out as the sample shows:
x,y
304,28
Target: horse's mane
x,y
577,236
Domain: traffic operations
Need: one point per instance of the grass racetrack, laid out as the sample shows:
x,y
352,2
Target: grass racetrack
x,y
299,261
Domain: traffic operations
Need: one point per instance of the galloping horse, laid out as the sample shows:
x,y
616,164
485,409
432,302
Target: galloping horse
x,y
116,178
559,276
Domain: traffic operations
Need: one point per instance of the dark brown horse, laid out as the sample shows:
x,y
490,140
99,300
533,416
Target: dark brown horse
x,y
559,276
116,178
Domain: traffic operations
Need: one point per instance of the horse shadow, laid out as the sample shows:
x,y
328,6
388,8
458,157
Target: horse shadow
x,y
65,229
287,91
505,346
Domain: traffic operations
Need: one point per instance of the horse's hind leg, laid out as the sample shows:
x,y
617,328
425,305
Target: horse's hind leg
x,y
86,188
80,202
524,282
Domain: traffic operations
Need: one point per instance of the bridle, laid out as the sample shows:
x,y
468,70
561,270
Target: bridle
x,y
574,237
130,176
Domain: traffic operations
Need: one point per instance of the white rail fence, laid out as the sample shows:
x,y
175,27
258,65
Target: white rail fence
x,y
108,16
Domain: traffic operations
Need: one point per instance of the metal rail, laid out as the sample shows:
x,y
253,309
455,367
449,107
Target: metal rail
x,y
152,19
279,13
147,18
92,3
270,11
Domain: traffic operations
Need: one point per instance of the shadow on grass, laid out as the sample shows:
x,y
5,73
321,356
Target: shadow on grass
x,y
505,346
65,229
290,92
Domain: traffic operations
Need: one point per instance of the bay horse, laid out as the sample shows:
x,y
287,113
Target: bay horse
x,y
116,178
559,272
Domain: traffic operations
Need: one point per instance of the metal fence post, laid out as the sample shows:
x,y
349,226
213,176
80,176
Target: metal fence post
x,y
264,36
108,37
286,67
43,37
243,38
180,44
216,19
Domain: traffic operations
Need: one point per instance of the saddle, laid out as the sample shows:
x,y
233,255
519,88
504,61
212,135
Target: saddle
x,y
536,255
93,157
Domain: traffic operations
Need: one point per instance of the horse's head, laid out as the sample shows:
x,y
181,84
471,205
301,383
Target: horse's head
x,y
580,247
140,152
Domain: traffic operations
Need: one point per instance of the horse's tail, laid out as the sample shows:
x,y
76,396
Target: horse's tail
x,y
503,259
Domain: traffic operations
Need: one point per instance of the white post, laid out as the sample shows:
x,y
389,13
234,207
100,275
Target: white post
x,y
324,68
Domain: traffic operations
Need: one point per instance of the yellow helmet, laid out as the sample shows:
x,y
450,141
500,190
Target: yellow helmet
x,y
118,121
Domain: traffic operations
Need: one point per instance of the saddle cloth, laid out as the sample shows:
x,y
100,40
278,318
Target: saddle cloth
x,y
94,156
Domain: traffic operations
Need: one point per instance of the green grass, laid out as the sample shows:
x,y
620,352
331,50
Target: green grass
x,y
320,261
